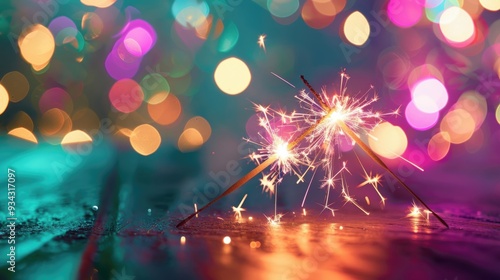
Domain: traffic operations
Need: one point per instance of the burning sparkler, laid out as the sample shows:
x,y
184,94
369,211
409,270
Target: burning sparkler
x,y
309,139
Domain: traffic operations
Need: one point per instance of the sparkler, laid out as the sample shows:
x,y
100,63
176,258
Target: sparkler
x,y
310,139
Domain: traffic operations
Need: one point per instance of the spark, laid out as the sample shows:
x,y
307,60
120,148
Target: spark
x,y
196,209
304,212
327,207
275,143
261,42
279,77
237,210
274,220
350,199
415,211
374,181
310,137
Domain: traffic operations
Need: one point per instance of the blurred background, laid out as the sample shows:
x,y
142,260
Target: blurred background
x,y
141,107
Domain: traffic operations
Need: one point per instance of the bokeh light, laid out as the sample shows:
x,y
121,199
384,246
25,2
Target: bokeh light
x,y
404,13
459,125
92,25
388,140
429,95
491,5
145,139
120,64
140,37
190,13
420,120
439,146
232,76
329,7
356,28
76,137
201,125
190,140
320,13
167,111
435,8
37,46
203,30
16,85
126,95
473,8
124,131
24,134
158,97
457,25
497,114
63,29
4,99
155,88
228,38
282,8
98,3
